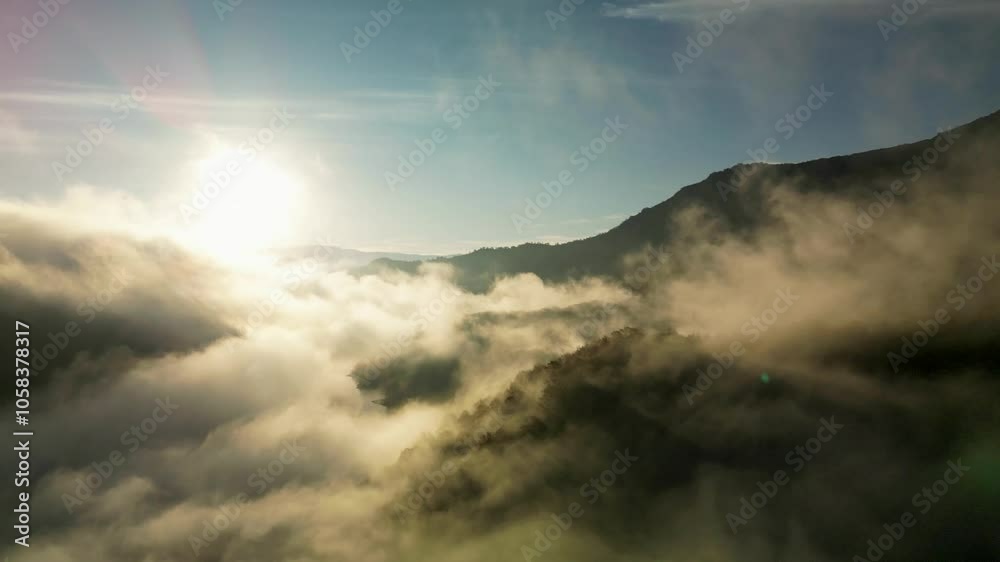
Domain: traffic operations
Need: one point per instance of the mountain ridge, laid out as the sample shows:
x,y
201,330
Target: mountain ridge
x,y
602,255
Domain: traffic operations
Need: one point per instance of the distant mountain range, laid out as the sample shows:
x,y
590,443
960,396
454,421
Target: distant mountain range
x,y
343,259
740,206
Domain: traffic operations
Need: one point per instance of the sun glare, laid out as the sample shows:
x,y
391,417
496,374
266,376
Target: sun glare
x,y
244,206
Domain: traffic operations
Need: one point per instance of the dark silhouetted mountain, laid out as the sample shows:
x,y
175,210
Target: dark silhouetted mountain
x,y
602,255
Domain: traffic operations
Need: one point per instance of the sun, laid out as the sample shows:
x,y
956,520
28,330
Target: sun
x,y
243,206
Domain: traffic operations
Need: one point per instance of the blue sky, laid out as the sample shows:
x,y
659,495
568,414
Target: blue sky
x,y
224,77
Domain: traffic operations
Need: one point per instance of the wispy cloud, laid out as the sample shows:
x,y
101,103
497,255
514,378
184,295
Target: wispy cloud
x,y
668,10
14,136
205,107
696,10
